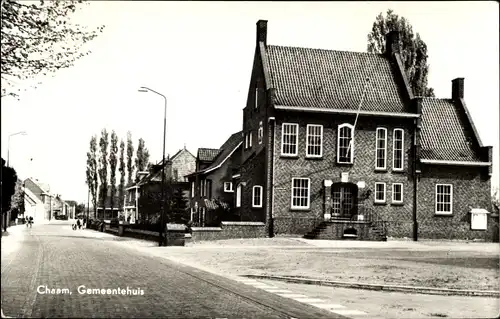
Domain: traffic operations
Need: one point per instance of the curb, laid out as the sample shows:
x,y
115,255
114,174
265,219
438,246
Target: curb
x,y
394,288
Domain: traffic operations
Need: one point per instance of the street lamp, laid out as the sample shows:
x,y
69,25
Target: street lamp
x,y
8,144
162,213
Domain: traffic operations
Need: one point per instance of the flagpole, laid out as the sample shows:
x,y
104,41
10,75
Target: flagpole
x,y
357,113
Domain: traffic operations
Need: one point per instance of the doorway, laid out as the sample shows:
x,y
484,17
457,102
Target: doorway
x,y
344,199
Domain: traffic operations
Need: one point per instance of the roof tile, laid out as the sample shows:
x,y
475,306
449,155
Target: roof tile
x,y
207,154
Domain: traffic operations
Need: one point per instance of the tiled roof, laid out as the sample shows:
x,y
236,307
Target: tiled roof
x,y
446,133
334,79
226,149
207,154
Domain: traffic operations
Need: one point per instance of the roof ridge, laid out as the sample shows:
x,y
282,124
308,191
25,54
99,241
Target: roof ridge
x,y
328,50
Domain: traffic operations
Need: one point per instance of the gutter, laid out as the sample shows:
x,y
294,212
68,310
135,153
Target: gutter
x,y
457,163
338,111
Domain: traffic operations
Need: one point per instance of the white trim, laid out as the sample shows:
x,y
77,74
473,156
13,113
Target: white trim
x,y
459,163
218,166
351,127
436,200
377,148
250,144
193,187
260,197
323,110
375,193
397,201
296,125
321,141
394,168
230,189
236,176
238,195
308,194
260,133
256,98
131,187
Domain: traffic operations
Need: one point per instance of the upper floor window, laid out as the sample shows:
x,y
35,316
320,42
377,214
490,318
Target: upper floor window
x,y
176,174
257,196
301,190
256,98
397,193
289,139
228,187
398,146
314,140
444,199
379,192
381,148
192,189
250,139
260,133
345,144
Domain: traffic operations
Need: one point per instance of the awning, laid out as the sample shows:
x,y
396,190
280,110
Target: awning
x,y
213,204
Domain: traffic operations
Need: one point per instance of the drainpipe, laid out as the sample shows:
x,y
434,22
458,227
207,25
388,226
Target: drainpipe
x,y
270,165
416,167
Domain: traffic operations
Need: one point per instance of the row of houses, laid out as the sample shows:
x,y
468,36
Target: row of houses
x,y
336,142
43,205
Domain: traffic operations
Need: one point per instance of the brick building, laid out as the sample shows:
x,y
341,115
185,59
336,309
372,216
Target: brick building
x,y
336,145
211,185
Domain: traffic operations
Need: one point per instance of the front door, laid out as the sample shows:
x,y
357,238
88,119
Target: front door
x,y
344,198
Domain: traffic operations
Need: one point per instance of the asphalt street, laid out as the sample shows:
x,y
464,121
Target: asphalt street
x,y
53,271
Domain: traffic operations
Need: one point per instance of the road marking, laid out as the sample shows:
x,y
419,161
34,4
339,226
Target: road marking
x,y
292,295
308,300
348,312
327,306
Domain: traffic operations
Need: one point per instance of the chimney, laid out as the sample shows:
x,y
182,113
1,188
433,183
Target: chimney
x,y
392,43
457,88
262,31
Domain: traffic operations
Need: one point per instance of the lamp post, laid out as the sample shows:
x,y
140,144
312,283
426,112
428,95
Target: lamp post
x,y
162,213
8,144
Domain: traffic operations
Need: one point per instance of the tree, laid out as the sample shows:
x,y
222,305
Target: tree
x,y
179,212
103,170
80,209
17,200
92,172
142,157
412,48
130,155
9,179
112,166
121,168
39,38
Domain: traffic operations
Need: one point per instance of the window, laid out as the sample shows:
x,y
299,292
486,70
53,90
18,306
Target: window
x,y
250,139
398,146
257,196
238,196
176,174
228,187
289,139
246,140
192,189
314,140
202,188
260,133
397,193
381,149
256,98
444,199
300,193
379,192
345,144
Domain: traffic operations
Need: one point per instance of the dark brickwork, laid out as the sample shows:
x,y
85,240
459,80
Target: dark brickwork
x,y
253,173
326,168
471,188
229,230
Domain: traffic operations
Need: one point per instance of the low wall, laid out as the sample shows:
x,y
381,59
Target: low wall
x,y
229,230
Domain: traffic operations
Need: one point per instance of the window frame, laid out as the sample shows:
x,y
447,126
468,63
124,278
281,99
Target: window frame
x,y
392,194
378,201
436,200
260,133
394,168
238,195
380,129
260,188
230,189
250,139
256,98
296,125
293,207
351,130
192,189
320,144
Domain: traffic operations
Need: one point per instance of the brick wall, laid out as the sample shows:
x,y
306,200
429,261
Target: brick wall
x,y
471,188
253,173
326,168
229,230
184,163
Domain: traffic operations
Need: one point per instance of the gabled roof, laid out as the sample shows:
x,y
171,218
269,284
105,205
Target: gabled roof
x,y
328,79
181,151
71,202
207,154
446,133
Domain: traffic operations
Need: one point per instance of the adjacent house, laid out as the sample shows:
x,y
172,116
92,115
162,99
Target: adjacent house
x,y
111,206
38,201
71,208
335,146
211,186
148,186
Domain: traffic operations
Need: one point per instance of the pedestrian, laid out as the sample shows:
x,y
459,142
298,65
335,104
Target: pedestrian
x,y
31,221
79,224
26,221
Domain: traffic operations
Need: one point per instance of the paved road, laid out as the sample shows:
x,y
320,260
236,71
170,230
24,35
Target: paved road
x,y
52,257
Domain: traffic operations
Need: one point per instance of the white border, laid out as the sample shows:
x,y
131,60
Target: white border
x,y
375,193
436,200
307,141
308,194
296,139
338,142
385,148
253,196
402,149
402,198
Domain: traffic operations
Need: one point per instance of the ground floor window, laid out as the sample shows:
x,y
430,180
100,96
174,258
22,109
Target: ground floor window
x,y
379,192
301,193
444,199
257,196
238,196
397,193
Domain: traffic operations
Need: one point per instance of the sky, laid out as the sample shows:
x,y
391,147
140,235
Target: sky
x,y
200,55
